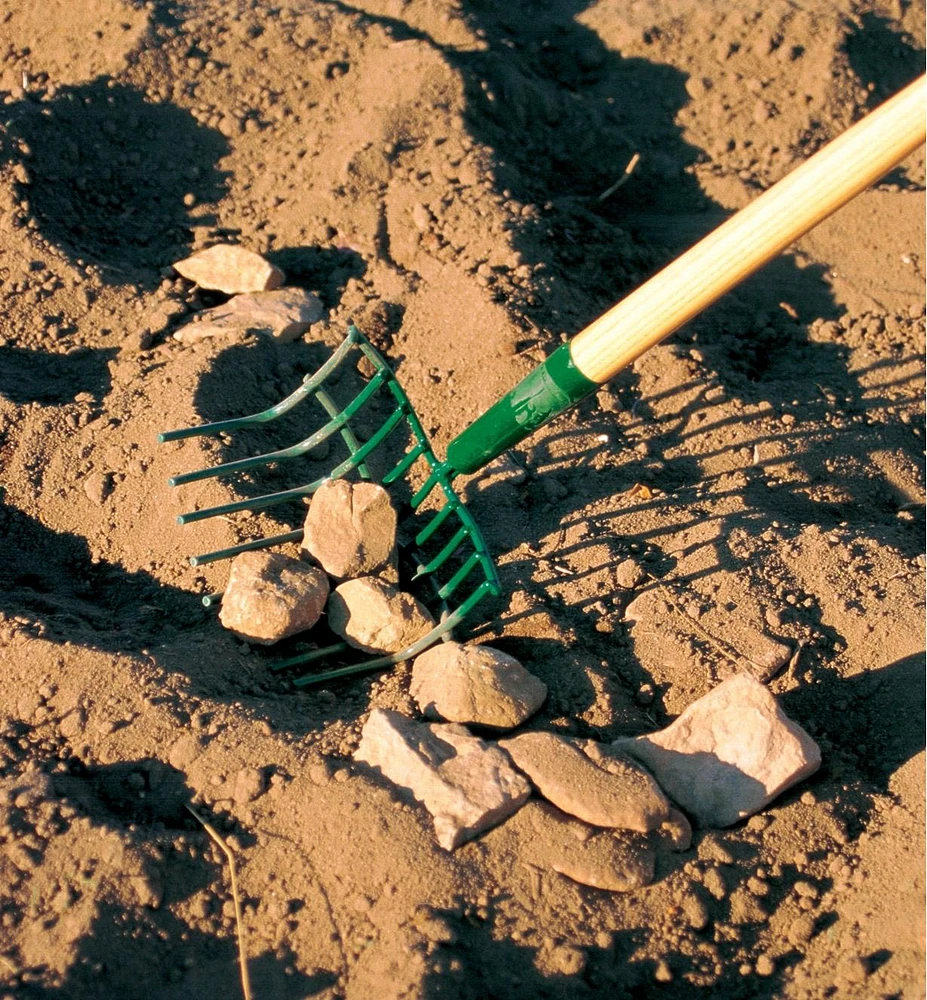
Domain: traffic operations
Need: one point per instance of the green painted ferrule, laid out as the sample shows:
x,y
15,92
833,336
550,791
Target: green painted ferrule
x,y
550,389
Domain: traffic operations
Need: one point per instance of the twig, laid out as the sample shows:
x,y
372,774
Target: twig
x,y
623,179
242,957
11,966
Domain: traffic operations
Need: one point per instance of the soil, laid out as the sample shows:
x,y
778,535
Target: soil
x,y
437,171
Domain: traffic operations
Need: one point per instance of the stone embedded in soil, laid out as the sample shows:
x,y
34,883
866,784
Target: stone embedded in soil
x,y
466,784
729,754
616,860
350,529
476,685
590,780
230,269
270,596
376,617
284,315
250,784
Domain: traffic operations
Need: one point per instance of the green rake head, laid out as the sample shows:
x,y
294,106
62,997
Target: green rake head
x,y
440,544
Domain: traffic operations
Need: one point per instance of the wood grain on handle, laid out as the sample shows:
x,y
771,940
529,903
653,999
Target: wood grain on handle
x,y
753,236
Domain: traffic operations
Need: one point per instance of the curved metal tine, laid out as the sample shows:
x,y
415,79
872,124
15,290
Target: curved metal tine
x,y
338,422
310,383
272,499
257,543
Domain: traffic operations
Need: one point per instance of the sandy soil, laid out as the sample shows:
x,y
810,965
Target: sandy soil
x,y
433,170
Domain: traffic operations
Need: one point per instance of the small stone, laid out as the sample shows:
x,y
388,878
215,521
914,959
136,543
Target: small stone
x,y
350,528
376,617
590,780
250,784
615,860
98,486
663,973
184,751
765,966
270,596
628,574
475,685
729,754
466,784
284,315
230,269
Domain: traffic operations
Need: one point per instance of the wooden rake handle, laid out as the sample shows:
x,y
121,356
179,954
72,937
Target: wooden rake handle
x,y
752,237
724,258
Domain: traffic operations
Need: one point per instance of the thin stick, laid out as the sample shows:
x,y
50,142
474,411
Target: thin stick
x,y
623,179
14,970
242,957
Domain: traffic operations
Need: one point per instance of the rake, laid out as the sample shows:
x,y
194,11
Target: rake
x,y
441,542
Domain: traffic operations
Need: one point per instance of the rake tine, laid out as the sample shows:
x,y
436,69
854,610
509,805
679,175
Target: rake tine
x,y
310,384
337,423
257,543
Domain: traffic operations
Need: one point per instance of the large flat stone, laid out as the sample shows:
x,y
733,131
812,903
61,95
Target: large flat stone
x,y
350,528
592,781
270,596
466,784
230,269
475,685
284,315
729,754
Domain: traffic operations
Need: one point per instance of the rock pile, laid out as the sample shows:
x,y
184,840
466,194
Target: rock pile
x,y
259,303
608,807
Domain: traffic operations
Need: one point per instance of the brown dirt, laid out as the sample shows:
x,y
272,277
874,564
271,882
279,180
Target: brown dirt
x,y
432,169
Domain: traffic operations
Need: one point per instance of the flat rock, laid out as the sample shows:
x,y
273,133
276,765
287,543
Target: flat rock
x,y
616,860
476,685
729,754
230,269
466,784
376,617
592,781
270,596
284,315
350,529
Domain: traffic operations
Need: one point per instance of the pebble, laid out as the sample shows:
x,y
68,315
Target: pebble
x,y
628,574
350,528
591,781
729,754
765,966
615,860
230,269
184,751
466,784
376,617
284,315
98,486
475,685
270,596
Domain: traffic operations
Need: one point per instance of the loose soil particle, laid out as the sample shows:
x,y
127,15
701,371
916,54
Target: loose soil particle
x,y
444,174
